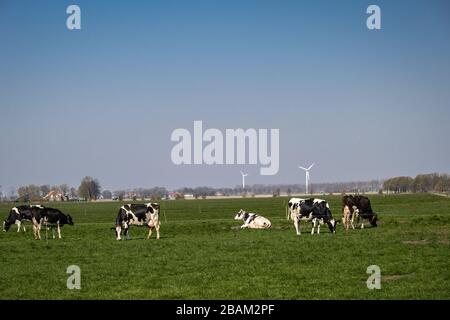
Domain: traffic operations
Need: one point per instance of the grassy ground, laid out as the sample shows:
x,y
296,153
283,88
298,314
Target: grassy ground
x,y
202,255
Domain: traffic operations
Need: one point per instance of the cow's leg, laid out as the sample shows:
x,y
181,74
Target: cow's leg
x,y
149,232
297,226
118,232
24,229
18,225
39,231
157,230
59,231
313,225
53,233
318,227
35,232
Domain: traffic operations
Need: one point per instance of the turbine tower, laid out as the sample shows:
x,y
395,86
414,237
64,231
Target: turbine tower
x,y
307,176
243,179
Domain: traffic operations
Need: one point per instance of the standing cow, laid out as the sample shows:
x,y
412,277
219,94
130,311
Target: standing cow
x,y
315,210
360,208
48,218
137,215
18,215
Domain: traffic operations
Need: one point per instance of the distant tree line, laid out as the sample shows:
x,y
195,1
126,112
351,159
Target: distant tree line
x,y
433,182
90,189
154,193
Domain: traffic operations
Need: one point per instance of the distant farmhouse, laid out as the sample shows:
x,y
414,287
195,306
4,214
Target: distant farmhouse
x,y
55,196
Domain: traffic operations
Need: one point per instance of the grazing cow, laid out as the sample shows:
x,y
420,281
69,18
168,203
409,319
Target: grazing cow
x,y
49,218
18,215
360,208
252,220
137,215
317,211
294,211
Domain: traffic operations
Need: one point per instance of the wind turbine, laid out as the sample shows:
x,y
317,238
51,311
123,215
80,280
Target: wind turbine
x,y
243,179
307,175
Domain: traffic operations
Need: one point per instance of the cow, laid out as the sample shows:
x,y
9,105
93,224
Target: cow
x,y
18,215
137,215
294,207
315,210
49,218
360,208
252,220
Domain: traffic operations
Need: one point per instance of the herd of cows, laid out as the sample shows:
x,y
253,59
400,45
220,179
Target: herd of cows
x,y
316,211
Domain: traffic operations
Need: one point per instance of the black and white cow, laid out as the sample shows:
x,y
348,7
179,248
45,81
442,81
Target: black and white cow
x,y
48,218
252,220
18,215
137,215
315,210
360,208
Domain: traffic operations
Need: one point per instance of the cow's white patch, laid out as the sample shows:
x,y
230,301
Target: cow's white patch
x,y
320,201
15,210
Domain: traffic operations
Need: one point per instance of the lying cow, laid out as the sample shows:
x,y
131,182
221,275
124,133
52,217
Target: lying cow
x,y
252,220
360,208
48,218
317,211
137,215
18,215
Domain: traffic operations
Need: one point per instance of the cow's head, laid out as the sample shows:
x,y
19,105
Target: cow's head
x,y
373,220
69,220
12,217
332,225
239,215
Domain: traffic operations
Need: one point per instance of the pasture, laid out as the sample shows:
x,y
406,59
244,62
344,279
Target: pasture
x,y
202,254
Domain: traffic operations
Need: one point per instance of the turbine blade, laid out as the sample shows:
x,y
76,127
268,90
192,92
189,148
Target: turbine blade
x,y
311,166
303,168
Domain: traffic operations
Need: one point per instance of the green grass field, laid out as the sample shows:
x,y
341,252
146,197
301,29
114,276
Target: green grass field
x,y
202,255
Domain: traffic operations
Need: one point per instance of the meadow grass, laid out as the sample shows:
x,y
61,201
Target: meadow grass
x,y
202,254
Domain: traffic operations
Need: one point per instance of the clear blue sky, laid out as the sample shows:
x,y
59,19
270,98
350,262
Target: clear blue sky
x,y
103,101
